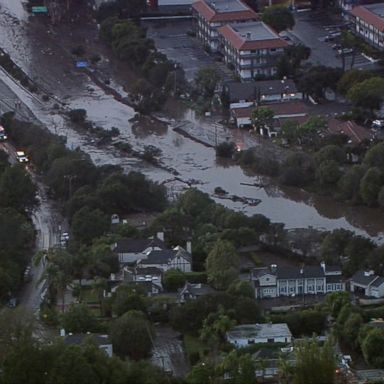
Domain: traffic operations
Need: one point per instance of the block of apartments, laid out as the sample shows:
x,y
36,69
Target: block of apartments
x,y
231,28
368,23
276,281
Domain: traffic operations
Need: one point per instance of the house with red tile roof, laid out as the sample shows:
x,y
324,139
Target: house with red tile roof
x,y
252,48
355,132
212,14
369,23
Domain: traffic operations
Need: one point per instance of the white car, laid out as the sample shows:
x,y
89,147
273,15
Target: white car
x,y
377,123
21,157
3,135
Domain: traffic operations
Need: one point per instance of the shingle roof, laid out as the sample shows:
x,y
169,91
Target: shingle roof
x,y
334,279
361,277
355,132
295,272
181,252
379,281
264,39
79,338
226,10
136,245
149,271
158,257
199,289
260,330
369,14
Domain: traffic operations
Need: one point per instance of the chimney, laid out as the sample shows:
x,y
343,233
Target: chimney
x,y
322,265
189,247
62,332
160,236
248,35
273,268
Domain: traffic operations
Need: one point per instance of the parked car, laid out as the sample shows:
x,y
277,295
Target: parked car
x,y
345,51
337,46
377,124
21,157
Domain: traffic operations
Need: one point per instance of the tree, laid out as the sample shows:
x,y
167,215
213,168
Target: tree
x,y
132,335
289,64
375,156
17,189
350,41
372,347
279,18
349,184
314,364
262,118
89,224
290,131
201,374
352,77
226,149
351,330
206,80
239,367
367,94
241,288
334,244
222,265
99,286
79,319
328,172
310,130
370,185
173,279
128,299
331,152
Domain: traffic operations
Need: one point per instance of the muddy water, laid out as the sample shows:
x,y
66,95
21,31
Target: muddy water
x,y
193,161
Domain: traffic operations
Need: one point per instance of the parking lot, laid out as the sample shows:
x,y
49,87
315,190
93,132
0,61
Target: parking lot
x,y
312,30
171,38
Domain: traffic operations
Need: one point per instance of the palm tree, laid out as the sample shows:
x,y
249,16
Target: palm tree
x,y
285,371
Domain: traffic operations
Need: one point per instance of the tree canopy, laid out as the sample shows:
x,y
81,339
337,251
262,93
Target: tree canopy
x,y
279,18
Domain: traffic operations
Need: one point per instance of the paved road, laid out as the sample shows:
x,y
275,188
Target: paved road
x,y
46,220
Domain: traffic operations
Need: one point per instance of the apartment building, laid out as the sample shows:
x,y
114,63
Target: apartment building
x,y
277,281
252,48
369,23
212,14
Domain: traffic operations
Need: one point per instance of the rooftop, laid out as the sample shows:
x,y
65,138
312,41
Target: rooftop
x,y
259,331
79,338
355,132
379,281
372,14
252,36
136,245
158,257
224,10
363,277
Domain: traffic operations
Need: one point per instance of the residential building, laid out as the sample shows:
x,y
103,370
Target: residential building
x,y
102,341
289,110
212,14
165,259
244,335
193,291
368,23
130,250
264,91
274,281
355,132
368,284
268,361
252,48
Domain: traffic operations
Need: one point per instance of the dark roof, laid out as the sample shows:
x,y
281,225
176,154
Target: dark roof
x,y
198,289
334,279
181,252
136,245
241,91
332,268
378,282
295,272
259,272
158,257
272,87
79,338
361,277
355,132
148,271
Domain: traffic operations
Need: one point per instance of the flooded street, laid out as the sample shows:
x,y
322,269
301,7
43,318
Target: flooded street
x,y
43,61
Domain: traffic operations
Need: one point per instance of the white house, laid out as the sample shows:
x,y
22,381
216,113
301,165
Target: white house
x,y
247,334
367,283
275,281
